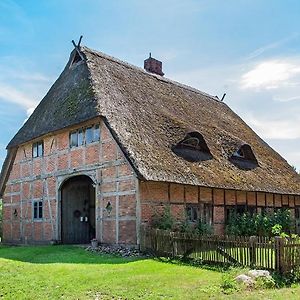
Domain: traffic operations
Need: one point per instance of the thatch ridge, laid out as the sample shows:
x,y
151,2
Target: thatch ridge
x,y
139,69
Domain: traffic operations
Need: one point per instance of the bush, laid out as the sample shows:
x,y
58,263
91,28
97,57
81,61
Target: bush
x,y
203,228
265,283
165,221
269,224
228,284
187,227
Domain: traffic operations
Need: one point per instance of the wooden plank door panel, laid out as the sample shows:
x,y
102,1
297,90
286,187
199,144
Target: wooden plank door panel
x,y
77,209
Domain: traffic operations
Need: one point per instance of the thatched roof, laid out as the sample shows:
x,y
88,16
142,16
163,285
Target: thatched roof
x,y
148,115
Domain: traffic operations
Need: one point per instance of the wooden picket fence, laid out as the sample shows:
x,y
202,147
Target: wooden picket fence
x,y
280,254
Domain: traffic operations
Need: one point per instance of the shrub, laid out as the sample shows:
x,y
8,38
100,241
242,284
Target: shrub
x,y
265,283
164,221
203,228
228,284
263,224
187,227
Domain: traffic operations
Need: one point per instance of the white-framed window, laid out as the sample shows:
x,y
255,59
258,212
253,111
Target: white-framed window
x,y
38,149
84,136
201,211
38,210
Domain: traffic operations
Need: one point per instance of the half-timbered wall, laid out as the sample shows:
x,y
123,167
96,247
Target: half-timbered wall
x,y
40,178
155,196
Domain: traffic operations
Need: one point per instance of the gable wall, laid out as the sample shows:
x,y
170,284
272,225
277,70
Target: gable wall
x,y
40,179
155,196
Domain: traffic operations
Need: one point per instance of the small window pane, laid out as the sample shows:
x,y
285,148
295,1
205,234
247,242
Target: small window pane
x,y
34,150
40,209
80,137
195,214
73,139
192,213
35,210
40,150
89,135
96,133
207,213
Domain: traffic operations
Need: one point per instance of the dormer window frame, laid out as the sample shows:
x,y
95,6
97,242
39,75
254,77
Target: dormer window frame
x,y
186,143
242,160
239,153
195,144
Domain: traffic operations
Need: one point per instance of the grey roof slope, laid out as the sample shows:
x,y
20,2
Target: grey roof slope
x,y
148,114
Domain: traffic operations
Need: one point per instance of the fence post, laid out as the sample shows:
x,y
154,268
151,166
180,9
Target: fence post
x,y
253,241
173,244
279,254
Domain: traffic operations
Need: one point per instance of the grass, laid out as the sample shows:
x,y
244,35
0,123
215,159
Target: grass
x,y
68,272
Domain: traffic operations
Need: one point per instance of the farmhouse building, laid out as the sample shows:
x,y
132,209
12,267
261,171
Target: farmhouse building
x,y
112,144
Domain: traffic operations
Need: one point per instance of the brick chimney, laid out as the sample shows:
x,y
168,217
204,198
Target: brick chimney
x,y
153,65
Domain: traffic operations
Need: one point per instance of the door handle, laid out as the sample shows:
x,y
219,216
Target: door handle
x,y
86,219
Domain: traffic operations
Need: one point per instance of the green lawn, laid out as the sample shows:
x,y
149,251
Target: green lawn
x,y
67,272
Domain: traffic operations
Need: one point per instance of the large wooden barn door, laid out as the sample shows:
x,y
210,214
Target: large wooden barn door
x,y
78,211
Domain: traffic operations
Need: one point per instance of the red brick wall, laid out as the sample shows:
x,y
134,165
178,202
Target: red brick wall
x,y
40,178
154,196
118,186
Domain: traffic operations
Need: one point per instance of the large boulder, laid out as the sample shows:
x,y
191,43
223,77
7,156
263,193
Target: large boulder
x,y
244,279
259,273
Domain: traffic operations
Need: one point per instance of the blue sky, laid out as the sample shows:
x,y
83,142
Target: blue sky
x,y
248,49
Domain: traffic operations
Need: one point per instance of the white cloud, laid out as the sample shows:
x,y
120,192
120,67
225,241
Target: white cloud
x,y
271,46
284,98
275,129
30,111
20,86
11,94
294,159
16,74
271,75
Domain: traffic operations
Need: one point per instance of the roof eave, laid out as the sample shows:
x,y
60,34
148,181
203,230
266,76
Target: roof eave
x,y
6,168
123,149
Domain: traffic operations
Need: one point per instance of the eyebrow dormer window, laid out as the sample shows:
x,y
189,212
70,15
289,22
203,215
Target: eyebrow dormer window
x,y
239,153
192,142
192,148
244,158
